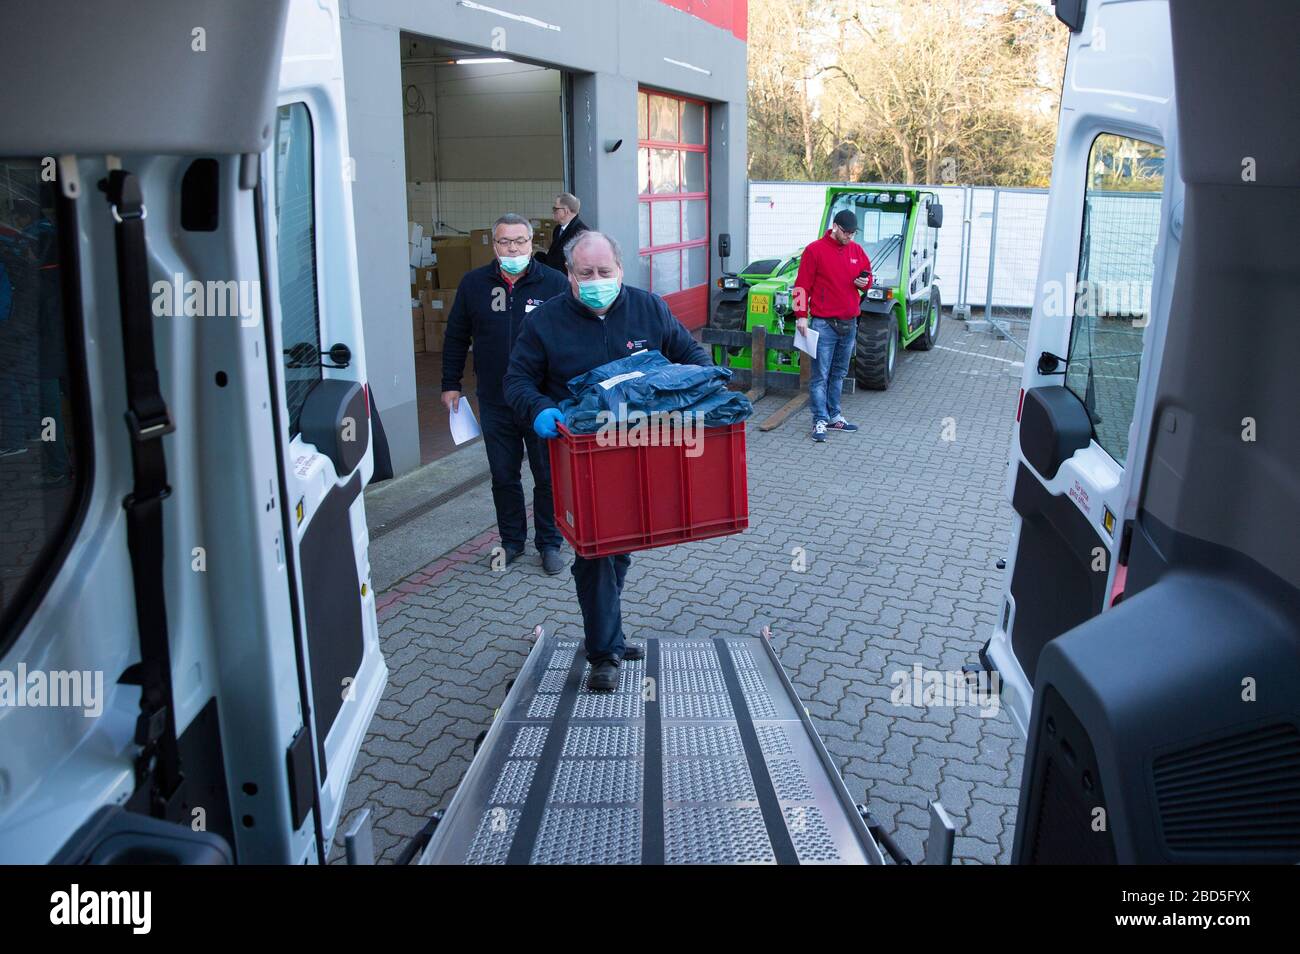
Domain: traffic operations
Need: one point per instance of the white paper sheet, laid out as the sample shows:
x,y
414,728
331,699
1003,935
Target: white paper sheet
x,y
807,343
464,427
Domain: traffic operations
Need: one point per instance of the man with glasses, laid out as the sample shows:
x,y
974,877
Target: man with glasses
x,y
833,273
565,212
491,307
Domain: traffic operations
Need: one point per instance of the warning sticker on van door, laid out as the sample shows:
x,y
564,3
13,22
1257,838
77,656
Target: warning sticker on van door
x,y
304,465
1079,494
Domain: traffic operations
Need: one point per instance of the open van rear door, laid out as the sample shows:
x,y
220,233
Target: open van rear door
x,y
325,447
1165,726
1095,338
177,174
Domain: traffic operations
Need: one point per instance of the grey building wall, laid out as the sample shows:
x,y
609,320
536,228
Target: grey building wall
x,y
373,81
610,47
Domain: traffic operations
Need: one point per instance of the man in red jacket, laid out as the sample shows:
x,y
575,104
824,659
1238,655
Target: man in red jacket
x,y
833,273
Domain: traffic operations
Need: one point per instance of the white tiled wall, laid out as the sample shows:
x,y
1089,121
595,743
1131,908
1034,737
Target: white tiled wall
x,y
464,206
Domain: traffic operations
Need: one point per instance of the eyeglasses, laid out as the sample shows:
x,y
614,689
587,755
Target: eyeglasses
x,y
557,208
513,243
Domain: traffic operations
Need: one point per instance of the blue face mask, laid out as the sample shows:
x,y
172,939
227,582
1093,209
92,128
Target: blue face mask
x,y
599,292
514,264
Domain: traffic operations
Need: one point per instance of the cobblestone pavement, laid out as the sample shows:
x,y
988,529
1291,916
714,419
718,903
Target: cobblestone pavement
x,y
900,529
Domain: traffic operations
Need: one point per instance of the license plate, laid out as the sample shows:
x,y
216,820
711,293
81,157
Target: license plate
x,y
761,305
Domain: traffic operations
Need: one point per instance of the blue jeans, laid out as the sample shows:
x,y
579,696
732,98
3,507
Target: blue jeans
x,y
834,348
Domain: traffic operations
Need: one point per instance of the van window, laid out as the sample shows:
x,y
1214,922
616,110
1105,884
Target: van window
x,y
41,475
295,215
1121,219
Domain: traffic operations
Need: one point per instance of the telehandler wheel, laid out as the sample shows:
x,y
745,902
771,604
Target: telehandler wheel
x,y
876,351
930,336
730,315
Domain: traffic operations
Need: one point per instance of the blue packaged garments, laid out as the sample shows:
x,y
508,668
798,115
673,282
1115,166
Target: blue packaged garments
x,y
649,383
641,361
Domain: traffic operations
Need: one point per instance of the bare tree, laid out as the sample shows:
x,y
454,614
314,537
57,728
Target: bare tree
x,y
907,90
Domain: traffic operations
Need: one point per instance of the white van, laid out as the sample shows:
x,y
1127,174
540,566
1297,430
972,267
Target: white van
x,y
1147,641
188,649
188,636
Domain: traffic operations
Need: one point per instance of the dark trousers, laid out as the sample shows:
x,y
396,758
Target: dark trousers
x,y
505,440
600,589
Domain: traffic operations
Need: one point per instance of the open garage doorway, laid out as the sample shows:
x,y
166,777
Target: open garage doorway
x,y
484,135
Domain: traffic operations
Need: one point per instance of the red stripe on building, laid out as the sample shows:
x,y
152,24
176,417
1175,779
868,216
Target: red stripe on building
x,y
731,15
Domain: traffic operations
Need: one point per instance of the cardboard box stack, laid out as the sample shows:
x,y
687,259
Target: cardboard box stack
x,y
480,248
417,327
419,246
453,259
543,232
435,305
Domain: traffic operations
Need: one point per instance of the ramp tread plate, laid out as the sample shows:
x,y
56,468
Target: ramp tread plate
x,y
708,780
571,836
596,781
741,777
513,782
528,742
716,835
617,741
702,741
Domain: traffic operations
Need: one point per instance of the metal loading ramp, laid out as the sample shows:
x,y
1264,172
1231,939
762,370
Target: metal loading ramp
x,y
703,755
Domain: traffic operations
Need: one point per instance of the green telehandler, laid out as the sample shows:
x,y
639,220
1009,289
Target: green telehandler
x,y
899,229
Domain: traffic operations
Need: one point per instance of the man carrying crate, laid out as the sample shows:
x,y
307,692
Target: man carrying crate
x,y
599,320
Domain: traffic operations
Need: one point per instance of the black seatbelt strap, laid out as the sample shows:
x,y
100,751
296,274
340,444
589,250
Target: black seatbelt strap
x,y
147,419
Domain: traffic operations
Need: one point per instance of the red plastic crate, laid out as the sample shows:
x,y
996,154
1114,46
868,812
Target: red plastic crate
x,y
612,499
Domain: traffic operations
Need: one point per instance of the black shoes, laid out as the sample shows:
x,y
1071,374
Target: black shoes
x,y
552,562
604,677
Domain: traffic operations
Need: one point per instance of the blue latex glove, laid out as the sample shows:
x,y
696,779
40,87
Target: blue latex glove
x,y
544,425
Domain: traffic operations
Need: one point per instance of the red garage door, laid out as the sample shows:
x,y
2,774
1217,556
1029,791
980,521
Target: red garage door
x,y
673,202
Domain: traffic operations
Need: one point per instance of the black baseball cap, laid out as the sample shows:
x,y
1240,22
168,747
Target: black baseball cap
x,y
846,220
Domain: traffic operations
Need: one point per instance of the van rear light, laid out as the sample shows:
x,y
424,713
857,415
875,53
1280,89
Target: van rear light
x,y
1020,405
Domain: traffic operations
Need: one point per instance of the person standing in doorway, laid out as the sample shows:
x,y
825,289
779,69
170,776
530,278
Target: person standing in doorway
x,y
834,272
565,211
492,306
